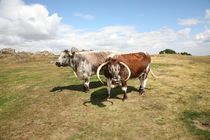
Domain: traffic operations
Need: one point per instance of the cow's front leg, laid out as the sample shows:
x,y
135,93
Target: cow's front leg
x,y
86,85
109,86
124,89
143,82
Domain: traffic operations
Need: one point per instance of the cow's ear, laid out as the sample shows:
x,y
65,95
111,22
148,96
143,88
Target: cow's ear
x,y
71,56
108,59
73,53
66,51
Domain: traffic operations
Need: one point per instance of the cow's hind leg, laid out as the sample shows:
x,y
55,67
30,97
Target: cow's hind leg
x,y
86,84
124,89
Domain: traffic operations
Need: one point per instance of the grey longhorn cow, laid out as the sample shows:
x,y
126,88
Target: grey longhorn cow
x,y
83,63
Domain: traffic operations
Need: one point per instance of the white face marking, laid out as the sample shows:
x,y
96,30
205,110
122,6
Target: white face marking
x,y
114,70
60,59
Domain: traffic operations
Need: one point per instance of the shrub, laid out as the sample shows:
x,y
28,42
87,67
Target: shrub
x,y
167,51
185,53
170,51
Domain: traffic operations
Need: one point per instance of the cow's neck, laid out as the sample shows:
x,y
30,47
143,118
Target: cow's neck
x,y
69,62
72,64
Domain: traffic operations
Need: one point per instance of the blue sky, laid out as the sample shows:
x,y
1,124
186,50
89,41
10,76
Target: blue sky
x,y
119,25
145,15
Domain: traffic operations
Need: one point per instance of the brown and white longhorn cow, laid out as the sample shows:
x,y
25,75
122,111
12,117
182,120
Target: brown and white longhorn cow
x,y
120,68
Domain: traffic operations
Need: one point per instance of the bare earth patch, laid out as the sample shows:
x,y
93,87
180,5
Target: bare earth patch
x,y
202,125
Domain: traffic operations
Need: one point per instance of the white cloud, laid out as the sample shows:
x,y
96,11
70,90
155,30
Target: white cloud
x,y
203,37
188,22
184,32
29,22
207,13
32,28
124,38
84,16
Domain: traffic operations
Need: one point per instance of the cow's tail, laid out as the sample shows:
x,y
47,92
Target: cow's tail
x,y
152,73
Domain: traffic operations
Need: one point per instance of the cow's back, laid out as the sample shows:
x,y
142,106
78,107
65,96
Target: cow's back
x,y
95,59
137,62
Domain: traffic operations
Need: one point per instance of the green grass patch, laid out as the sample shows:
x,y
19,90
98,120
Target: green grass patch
x,y
198,123
162,65
5,100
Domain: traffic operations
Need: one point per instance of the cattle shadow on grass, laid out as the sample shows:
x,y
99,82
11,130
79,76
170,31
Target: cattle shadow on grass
x,y
99,97
79,87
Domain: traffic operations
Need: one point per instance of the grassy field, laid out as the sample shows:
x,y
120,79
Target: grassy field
x,y
41,101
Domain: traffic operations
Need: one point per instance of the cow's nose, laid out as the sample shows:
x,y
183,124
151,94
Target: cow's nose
x,y
57,64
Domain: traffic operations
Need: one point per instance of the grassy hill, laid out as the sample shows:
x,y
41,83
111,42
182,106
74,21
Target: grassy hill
x,y
41,101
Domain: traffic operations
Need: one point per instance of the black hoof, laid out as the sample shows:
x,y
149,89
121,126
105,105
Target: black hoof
x,y
124,98
108,97
85,88
141,91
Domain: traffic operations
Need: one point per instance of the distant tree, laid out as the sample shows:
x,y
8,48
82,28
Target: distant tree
x,y
170,51
167,51
185,53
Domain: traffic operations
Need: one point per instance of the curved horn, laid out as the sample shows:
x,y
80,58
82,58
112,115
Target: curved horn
x,y
74,50
129,71
98,70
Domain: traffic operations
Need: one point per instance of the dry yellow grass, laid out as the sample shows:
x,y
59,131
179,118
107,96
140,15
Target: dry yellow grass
x,y
40,101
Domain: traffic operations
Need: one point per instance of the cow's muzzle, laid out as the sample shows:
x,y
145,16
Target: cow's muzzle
x,y
57,64
116,80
